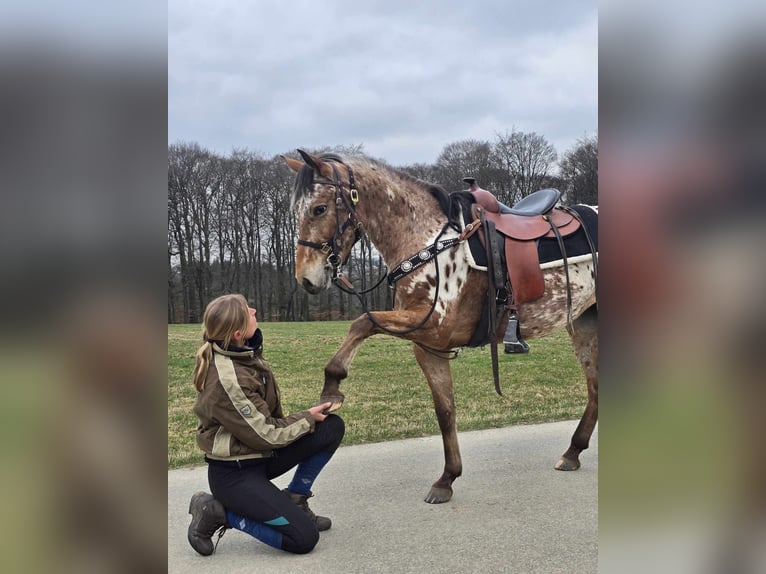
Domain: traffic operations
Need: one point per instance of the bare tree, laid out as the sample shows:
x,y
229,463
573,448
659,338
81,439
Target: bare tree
x,y
579,170
422,171
525,161
172,281
467,158
230,228
190,193
226,234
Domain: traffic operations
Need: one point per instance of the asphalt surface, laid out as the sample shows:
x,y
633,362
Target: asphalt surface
x,y
511,511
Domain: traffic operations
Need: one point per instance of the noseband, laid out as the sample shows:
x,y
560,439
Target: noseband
x,y
331,247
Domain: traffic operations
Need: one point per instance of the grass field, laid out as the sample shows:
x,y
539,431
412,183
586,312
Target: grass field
x,y
386,393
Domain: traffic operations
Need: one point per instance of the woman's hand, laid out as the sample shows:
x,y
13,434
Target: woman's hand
x,y
316,412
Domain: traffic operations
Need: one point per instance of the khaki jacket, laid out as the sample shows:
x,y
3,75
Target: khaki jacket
x,y
239,410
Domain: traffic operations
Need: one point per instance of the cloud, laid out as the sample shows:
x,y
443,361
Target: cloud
x,y
402,78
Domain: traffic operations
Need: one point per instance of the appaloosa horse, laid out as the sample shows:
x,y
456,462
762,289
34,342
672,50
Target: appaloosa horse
x,y
437,306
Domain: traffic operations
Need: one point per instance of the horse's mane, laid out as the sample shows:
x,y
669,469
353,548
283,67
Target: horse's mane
x,y
437,191
304,182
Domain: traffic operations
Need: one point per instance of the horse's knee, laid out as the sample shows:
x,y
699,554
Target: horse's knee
x,y
445,412
446,420
334,371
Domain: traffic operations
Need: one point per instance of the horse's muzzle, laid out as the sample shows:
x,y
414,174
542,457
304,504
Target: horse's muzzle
x,y
310,287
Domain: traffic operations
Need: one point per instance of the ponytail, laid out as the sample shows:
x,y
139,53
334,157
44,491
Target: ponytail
x,y
202,362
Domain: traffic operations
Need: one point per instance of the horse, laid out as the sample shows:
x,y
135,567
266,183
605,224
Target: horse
x,y
437,305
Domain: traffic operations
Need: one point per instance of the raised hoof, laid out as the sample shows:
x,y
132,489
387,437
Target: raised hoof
x,y
567,464
337,403
438,495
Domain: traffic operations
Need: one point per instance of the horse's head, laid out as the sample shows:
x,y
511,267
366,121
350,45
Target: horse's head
x,y
323,202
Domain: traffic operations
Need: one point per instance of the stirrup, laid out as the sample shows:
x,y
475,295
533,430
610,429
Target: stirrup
x,y
512,340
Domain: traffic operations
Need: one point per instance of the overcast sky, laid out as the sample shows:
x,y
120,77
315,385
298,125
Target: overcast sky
x,y
403,78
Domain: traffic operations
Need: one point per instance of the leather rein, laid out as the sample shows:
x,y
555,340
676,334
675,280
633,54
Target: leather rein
x,y
331,248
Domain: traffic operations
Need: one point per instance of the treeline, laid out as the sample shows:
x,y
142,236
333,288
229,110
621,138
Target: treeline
x,y
230,228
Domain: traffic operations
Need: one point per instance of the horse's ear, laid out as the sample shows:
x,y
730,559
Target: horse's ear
x,y
321,167
308,158
293,164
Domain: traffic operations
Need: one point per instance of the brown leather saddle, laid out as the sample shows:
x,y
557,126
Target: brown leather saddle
x,y
520,226
510,236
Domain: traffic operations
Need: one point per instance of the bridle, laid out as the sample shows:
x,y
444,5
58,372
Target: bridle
x,y
331,247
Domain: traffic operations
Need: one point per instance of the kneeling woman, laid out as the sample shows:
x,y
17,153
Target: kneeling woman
x,y
248,441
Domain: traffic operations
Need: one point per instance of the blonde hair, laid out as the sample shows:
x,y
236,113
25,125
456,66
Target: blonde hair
x,y
223,316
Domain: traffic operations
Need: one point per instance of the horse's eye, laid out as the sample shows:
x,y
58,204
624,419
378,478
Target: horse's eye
x,y
319,210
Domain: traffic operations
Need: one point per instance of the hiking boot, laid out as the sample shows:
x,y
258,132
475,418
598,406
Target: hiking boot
x,y
322,522
208,516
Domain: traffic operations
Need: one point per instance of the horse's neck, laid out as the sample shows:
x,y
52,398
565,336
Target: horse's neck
x,y
400,217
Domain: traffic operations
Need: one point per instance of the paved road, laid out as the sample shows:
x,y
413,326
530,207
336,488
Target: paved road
x,y
511,511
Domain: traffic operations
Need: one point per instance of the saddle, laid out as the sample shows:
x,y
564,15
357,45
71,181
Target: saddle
x,y
510,236
519,227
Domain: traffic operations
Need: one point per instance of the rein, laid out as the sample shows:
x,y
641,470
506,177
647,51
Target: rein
x,y
427,253
331,248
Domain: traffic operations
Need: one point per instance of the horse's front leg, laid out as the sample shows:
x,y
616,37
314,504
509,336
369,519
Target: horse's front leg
x,y
439,377
336,368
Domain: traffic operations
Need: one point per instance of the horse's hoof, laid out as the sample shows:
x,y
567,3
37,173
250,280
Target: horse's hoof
x,y
438,495
567,464
337,403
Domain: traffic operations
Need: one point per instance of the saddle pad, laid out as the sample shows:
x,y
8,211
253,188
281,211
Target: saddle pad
x,y
575,244
476,254
547,248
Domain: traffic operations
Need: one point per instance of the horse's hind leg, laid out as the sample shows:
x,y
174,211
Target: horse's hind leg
x,y
439,377
585,342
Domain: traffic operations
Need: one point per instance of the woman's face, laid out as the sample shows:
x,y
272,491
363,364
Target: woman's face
x,y
252,325
240,337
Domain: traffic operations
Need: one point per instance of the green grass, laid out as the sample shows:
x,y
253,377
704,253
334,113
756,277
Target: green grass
x,y
386,393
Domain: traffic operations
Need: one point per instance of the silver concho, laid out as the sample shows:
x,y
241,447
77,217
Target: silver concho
x,y
425,254
440,245
406,266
